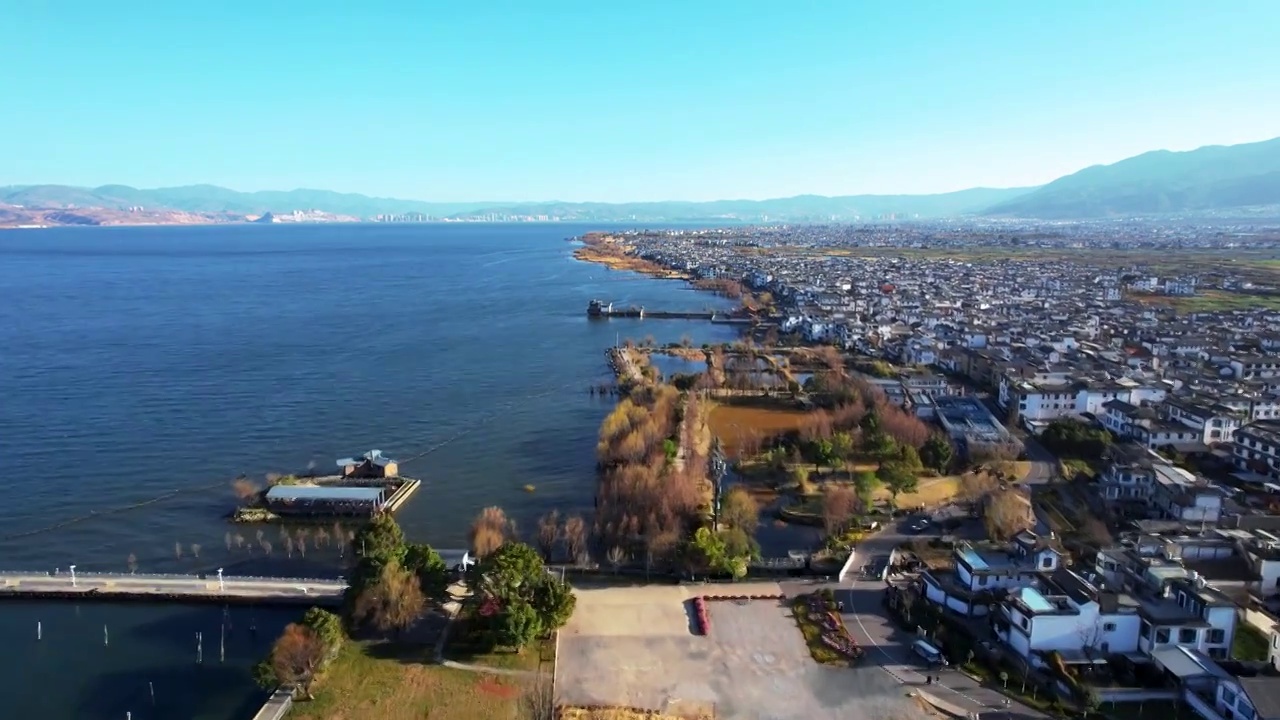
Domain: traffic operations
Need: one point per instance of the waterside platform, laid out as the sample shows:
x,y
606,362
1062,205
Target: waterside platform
x,y
172,588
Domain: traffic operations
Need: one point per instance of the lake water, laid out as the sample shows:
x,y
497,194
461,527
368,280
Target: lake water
x,y
141,369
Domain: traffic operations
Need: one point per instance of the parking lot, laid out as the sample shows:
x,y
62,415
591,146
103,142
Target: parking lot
x,y
636,647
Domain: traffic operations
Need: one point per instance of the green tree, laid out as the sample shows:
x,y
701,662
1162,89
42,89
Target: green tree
x,y
870,423
517,625
554,602
879,446
509,572
842,446
898,478
380,540
865,484
909,458
936,453
430,569
823,453
800,476
327,627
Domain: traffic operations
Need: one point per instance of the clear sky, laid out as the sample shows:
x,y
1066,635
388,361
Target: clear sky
x,y
618,100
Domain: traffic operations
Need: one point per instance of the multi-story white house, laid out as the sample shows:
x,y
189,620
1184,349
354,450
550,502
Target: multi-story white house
x,y
1143,425
1246,367
1256,448
1065,613
1215,423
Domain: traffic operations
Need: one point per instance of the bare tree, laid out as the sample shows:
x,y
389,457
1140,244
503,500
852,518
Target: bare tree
x,y
266,547
489,531
195,550
296,656
133,563
393,602
245,489
615,557
239,541
177,550
548,534
288,545
740,510
1006,514
227,539
575,537
838,505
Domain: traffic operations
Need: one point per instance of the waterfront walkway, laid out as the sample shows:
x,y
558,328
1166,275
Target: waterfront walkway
x,y
173,588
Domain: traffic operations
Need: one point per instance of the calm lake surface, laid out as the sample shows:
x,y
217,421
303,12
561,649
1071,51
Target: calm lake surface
x,y
141,369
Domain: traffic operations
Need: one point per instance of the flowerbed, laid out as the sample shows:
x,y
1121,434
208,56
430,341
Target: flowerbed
x,y
700,612
709,598
824,631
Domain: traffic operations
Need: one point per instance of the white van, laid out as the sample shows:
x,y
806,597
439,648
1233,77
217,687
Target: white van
x,y
927,651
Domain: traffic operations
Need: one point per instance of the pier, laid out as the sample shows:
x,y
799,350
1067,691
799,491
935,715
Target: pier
x,y
597,309
170,588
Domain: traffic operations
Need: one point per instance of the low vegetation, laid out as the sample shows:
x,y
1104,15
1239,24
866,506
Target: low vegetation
x,y
369,680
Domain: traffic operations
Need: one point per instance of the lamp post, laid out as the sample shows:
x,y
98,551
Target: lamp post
x,y
73,576
221,586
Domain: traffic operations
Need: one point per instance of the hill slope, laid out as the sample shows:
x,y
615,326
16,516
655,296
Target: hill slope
x,y
213,199
1216,177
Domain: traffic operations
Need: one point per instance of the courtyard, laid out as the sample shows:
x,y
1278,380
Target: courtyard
x,y
636,647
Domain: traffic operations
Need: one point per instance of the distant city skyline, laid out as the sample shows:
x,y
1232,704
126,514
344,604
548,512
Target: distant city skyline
x,y
572,101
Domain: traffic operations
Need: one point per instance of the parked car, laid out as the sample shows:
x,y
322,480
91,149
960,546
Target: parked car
x,y
919,526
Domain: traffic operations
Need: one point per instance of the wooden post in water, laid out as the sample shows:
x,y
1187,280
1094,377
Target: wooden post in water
x,y
152,687
39,631
199,648
104,636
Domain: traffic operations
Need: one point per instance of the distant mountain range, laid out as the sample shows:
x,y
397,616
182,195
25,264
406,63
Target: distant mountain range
x,y
219,201
1214,178
1208,179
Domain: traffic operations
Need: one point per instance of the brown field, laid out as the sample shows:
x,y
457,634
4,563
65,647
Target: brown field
x,y
730,421
368,681
614,258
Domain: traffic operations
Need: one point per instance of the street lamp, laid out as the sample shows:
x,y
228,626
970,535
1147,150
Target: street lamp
x,y
73,576
221,586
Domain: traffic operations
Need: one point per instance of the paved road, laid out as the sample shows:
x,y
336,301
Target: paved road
x,y
190,586
888,647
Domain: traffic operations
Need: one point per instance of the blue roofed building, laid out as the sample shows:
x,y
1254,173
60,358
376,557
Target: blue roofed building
x,y
980,570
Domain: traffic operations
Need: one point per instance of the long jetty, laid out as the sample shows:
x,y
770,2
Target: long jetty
x,y
600,310
172,588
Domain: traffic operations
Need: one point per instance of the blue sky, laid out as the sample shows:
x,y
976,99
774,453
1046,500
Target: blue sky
x,y
622,99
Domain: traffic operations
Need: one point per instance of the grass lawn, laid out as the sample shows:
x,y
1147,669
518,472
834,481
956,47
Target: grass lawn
x,y
541,656
393,682
1249,643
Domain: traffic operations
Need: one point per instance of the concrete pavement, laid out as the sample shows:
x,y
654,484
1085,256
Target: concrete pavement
x,y
169,587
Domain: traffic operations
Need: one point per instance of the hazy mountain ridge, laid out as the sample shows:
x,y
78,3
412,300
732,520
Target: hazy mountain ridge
x,y
1215,177
1210,178
218,200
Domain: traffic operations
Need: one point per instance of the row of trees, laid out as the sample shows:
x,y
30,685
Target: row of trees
x,y
648,502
